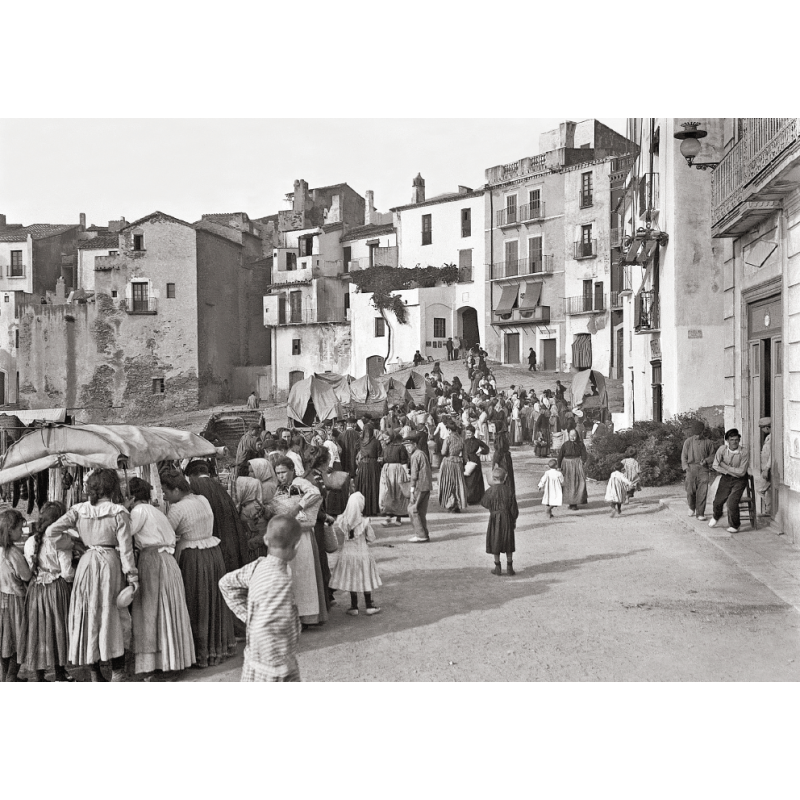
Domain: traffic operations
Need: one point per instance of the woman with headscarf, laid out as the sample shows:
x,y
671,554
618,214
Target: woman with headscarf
x,y
299,498
318,461
249,503
482,428
368,473
541,430
516,422
452,489
474,451
395,482
262,470
249,447
571,459
502,458
351,444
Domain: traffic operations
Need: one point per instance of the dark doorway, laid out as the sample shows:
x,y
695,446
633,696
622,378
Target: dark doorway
x,y
375,366
549,354
512,348
469,328
295,376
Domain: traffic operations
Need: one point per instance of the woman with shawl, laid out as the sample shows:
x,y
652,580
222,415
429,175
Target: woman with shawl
x,y
262,470
249,447
395,482
368,473
318,459
571,459
249,504
474,451
516,422
502,458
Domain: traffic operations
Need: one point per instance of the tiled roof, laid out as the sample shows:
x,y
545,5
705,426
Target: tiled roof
x,y
37,231
155,214
224,217
368,230
442,198
98,228
104,241
333,226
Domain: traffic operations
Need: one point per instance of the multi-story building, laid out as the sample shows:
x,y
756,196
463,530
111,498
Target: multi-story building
x,y
305,305
548,242
755,215
163,330
672,282
32,260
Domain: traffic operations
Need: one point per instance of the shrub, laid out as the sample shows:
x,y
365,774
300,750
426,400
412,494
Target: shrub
x,y
658,448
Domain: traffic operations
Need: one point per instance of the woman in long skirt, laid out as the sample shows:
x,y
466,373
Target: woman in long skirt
x,y
299,498
96,626
47,601
516,422
482,428
336,499
474,452
452,489
201,564
368,473
571,459
395,481
502,521
162,631
248,496
502,458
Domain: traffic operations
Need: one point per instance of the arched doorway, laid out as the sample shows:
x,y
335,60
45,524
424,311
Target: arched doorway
x,y
295,376
468,327
375,366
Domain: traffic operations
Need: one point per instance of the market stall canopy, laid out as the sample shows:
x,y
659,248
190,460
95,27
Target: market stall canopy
x,y
312,399
396,392
28,415
419,389
367,390
339,383
99,446
589,384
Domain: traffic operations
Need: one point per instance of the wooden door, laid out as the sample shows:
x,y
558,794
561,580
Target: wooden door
x,y
549,354
375,366
619,352
512,348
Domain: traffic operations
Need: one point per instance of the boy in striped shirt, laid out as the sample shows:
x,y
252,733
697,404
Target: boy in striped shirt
x,y
260,594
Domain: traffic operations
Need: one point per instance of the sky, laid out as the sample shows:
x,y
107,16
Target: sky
x,y
112,168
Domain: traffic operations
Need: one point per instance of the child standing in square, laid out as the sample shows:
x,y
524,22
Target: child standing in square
x,y
14,577
551,484
617,490
261,595
630,467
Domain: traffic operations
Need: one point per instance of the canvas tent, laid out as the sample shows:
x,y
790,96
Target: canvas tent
x,y
314,400
368,396
589,390
419,389
396,391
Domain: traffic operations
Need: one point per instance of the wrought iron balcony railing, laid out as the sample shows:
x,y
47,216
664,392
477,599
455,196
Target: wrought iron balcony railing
x,y
647,311
143,305
522,266
531,212
585,304
507,216
585,249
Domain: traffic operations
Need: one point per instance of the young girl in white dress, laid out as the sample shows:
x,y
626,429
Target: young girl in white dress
x,y
551,484
356,570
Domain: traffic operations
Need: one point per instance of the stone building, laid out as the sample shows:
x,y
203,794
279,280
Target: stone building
x,y
548,223
305,305
755,217
166,327
33,258
667,347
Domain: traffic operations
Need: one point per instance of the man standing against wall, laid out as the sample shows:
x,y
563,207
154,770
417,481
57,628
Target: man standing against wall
x,y
449,345
763,480
696,459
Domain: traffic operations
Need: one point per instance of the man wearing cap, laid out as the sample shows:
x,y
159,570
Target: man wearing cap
x,y
696,459
731,461
763,479
421,485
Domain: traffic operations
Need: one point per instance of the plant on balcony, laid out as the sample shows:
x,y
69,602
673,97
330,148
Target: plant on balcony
x,y
383,281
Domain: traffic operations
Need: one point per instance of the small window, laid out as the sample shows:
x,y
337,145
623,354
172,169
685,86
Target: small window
x,y
295,347
439,330
306,246
158,386
171,291
291,261
16,339
138,241
427,230
380,327
466,222
114,293
5,299
113,252
347,257
347,302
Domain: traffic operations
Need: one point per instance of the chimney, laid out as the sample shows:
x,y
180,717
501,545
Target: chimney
x,y
83,221
418,195
115,225
464,190
2,220
369,208
568,134
300,195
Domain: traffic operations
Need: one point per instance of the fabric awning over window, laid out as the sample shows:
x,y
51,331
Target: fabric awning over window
x,y
507,299
533,293
582,351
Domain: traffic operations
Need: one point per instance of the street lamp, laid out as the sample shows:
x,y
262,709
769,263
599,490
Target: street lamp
x,y
690,145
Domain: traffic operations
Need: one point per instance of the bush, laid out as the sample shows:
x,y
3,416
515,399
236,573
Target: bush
x,y
658,448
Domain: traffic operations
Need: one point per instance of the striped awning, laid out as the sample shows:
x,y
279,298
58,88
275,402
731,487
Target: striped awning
x,y
582,351
507,299
533,293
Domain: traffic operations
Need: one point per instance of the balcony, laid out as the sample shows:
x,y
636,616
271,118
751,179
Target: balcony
x,y
746,187
16,270
586,199
465,275
143,305
522,267
646,312
507,216
616,237
584,304
531,212
517,316
585,249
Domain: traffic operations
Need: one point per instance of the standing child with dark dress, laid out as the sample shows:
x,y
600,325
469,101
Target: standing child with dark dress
x,y
503,514
14,577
